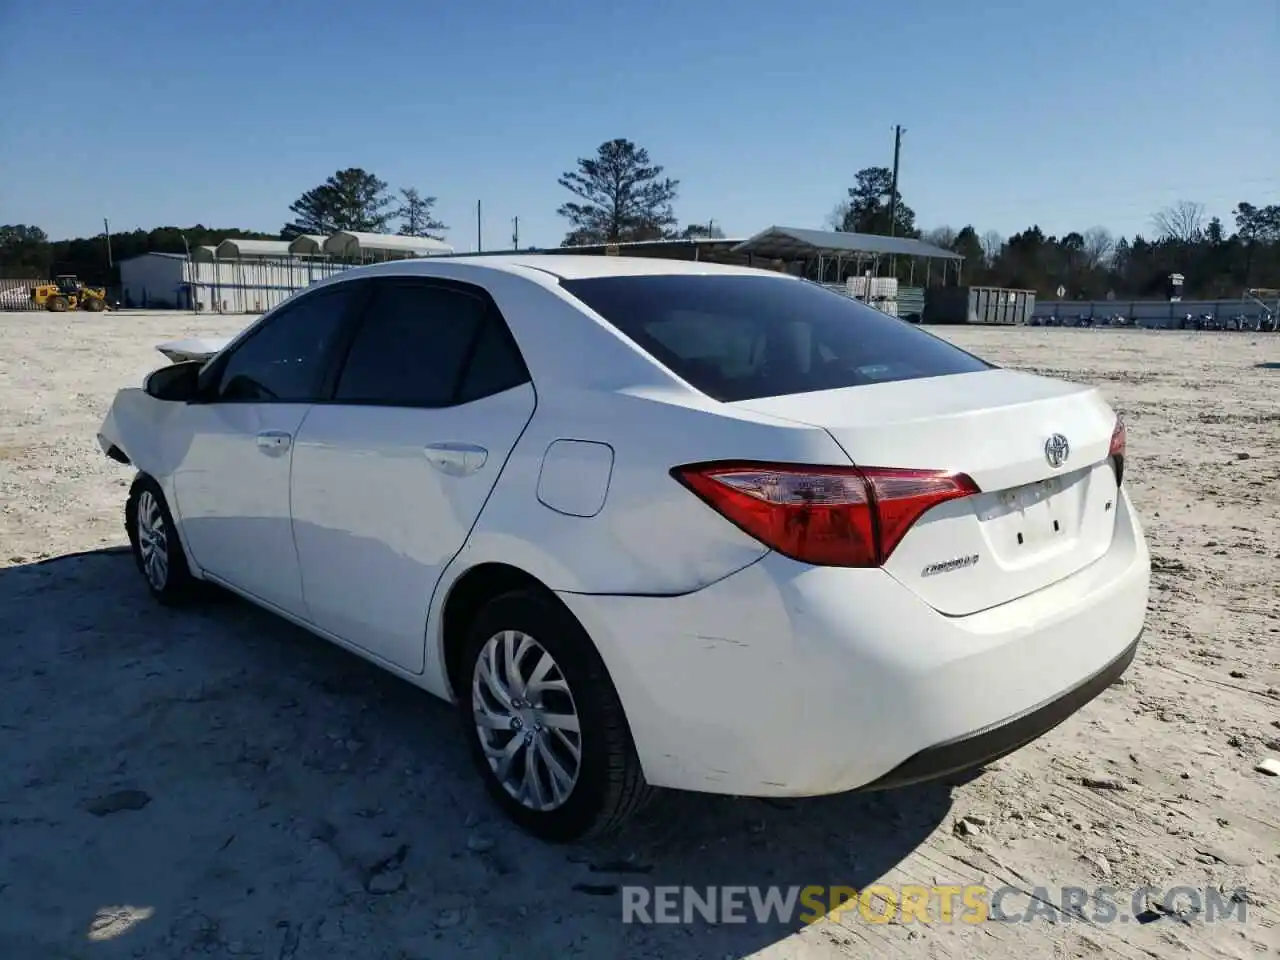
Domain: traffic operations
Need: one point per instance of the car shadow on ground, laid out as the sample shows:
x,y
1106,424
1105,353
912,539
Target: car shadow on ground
x,y
244,785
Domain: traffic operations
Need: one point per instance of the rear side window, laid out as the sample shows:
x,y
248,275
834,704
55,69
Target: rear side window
x,y
418,345
495,365
743,337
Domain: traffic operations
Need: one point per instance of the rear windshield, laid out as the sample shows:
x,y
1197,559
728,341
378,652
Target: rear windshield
x,y
743,337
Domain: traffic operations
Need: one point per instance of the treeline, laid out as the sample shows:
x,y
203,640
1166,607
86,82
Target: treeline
x,y
26,253
618,194
1214,262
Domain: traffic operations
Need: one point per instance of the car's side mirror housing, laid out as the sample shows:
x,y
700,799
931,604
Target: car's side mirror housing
x,y
178,382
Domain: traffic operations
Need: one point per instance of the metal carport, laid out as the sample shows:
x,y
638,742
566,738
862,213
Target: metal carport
x,y
307,245
364,247
834,249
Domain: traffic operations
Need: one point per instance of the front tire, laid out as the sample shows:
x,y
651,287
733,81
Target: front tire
x,y
156,549
546,728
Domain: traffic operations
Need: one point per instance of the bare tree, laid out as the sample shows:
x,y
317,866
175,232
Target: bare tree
x,y
1184,222
943,237
1098,246
701,231
837,217
992,245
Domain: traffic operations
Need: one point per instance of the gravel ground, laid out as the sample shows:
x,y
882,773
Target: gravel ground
x,y
217,783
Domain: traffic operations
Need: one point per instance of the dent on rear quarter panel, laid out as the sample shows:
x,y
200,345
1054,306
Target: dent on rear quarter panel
x,y
144,429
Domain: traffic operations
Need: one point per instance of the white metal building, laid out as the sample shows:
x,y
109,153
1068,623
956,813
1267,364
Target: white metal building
x,y
153,280
250,276
243,285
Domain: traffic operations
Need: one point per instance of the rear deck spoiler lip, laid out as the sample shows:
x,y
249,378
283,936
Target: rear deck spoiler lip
x,y
193,348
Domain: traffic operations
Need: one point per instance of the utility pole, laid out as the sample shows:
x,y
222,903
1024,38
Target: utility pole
x,y
191,273
106,229
893,188
479,236
515,234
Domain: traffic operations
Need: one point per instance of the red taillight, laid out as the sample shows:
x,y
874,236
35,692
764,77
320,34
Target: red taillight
x,y
1117,449
827,516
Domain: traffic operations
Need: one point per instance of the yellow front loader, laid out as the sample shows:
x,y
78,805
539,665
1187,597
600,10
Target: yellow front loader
x,y
68,293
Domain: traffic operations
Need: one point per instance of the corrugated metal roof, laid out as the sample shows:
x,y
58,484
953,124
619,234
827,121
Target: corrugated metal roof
x,y
795,243
672,243
308,245
204,254
231,249
350,245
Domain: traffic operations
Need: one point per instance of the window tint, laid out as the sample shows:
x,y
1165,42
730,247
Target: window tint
x,y
743,337
286,359
411,346
495,366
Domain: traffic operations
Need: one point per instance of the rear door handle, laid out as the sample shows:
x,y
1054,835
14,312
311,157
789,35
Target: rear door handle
x,y
274,442
456,459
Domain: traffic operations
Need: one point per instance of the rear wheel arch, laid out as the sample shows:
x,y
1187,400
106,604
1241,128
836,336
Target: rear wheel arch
x,y
467,597
498,602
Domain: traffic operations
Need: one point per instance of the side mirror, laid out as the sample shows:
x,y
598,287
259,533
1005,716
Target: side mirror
x,y
178,382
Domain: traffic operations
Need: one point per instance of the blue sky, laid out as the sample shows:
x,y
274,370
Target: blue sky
x,y
1066,114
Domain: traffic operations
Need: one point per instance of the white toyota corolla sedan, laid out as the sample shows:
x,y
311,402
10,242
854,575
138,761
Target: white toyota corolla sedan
x,y
651,523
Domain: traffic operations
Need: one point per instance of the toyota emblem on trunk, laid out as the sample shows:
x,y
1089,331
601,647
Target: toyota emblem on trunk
x,y
1056,450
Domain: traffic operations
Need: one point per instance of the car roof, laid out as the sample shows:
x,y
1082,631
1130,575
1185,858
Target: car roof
x,y
566,266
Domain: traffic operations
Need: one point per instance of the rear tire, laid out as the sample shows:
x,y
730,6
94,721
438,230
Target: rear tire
x,y
57,304
94,305
529,672
157,550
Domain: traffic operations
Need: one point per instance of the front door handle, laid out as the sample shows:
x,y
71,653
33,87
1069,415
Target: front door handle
x,y
274,443
456,459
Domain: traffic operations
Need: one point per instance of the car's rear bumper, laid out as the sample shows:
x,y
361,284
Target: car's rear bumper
x,y
790,680
986,746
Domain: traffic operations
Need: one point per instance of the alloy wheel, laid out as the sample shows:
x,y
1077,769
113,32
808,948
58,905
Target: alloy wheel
x,y
527,720
153,541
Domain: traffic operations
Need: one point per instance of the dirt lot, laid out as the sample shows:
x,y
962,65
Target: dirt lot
x,y
218,783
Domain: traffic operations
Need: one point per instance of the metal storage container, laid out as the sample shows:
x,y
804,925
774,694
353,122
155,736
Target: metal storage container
x,y
994,305
911,303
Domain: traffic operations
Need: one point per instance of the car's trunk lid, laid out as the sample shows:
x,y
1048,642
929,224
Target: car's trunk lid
x,y
1033,523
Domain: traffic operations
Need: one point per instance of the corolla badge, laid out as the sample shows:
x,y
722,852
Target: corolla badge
x,y
947,566
1057,450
